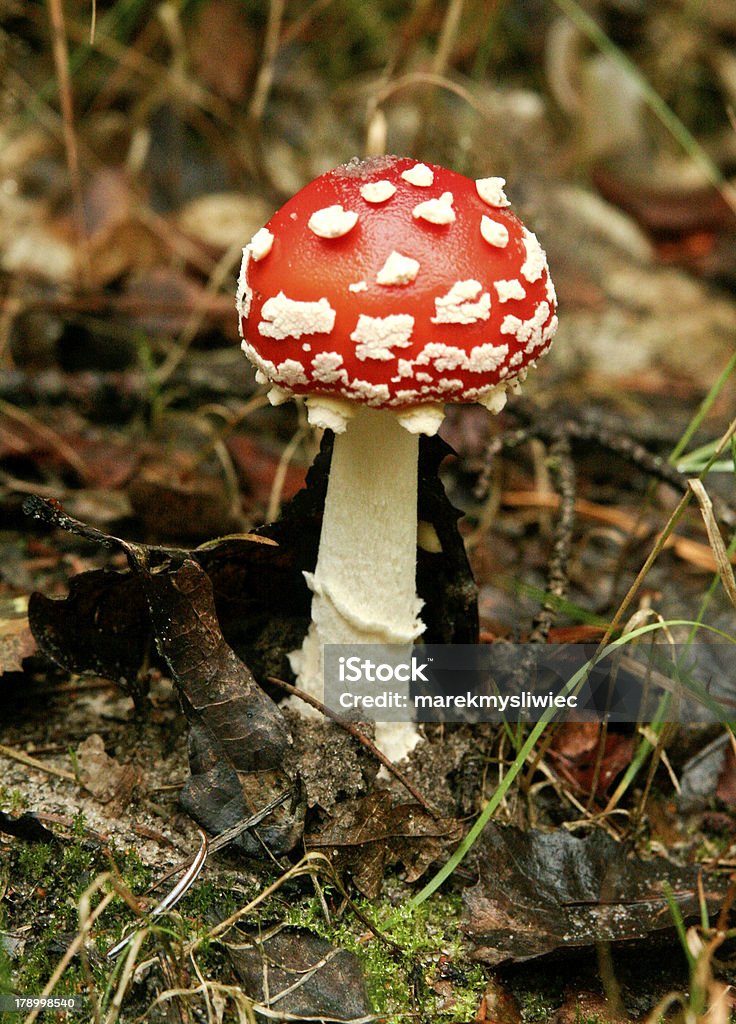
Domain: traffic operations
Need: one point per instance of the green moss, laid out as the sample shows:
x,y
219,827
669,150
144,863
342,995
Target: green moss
x,y
12,800
207,898
429,972
48,881
432,966
136,875
6,973
33,861
536,1007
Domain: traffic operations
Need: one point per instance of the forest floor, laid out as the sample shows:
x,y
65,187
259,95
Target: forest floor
x,y
155,518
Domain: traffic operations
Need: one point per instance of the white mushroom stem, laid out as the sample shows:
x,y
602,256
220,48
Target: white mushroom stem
x,y
364,584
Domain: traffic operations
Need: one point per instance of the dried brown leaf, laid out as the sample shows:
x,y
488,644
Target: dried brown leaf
x,y
298,974
368,835
101,775
16,639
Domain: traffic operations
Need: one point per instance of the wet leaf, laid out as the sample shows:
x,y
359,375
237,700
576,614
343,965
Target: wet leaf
x,y
543,892
292,971
368,835
701,775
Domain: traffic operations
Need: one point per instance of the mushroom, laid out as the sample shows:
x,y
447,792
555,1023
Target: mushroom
x,y
381,291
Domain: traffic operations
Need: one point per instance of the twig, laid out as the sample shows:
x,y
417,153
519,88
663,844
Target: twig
x,y
266,71
585,433
355,732
448,36
661,540
504,442
262,88
279,477
61,62
32,762
718,546
193,871
563,473
50,512
51,437
626,448
241,826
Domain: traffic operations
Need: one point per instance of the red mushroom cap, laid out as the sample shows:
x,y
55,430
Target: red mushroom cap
x,y
395,283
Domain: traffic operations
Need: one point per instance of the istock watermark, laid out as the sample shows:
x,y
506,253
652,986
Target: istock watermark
x,y
623,682
354,669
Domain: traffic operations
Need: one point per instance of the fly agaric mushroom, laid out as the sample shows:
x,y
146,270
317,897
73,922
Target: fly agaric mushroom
x,y
379,292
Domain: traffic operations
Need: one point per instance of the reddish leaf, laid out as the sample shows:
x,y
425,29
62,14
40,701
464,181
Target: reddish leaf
x,y
576,753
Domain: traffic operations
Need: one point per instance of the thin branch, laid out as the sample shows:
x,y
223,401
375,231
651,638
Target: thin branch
x,y
61,62
270,51
563,474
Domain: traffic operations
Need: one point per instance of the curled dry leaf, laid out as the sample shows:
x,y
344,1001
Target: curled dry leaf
x,y
102,626
238,736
